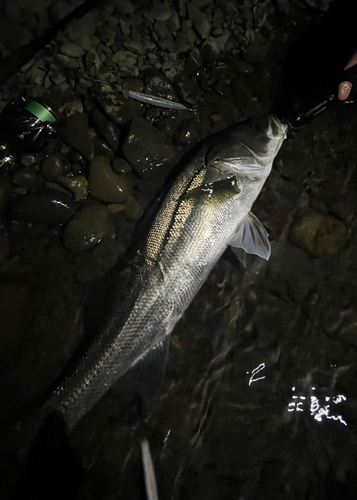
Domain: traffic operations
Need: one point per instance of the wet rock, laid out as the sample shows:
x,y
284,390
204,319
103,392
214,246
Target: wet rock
x,y
193,62
121,166
169,124
133,209
213,48
86,42
136,47
105,184
72,107
92,265
51,168
319,235
87,227
149,151
184,41
124,57
6,190
108,130
27,178
165,38
158,85
115,208
161,12
134,84
76,135
173,22
188,132
28,159
101,148
199,21
121,111
37,75
47,206
75,183
72,50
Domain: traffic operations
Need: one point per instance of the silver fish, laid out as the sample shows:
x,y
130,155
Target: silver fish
x,y
206,209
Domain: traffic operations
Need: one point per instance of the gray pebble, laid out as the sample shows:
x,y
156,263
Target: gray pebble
x,y
86,43
71,50
161,12
173,22
199,21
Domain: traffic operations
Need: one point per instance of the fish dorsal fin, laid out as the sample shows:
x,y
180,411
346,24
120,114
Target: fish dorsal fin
x,y
252,237
146,375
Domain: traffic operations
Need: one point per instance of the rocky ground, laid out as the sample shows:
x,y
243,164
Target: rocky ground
x,y
258,400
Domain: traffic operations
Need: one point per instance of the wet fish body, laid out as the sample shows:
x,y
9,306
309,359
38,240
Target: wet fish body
x,y
207,208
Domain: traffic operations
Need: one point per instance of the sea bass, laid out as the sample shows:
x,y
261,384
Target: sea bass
x,y
206,209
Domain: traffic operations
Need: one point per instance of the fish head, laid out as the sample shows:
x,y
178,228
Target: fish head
x,y
250,147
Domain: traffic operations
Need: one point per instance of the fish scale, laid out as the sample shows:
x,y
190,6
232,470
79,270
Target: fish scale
x,y
190,232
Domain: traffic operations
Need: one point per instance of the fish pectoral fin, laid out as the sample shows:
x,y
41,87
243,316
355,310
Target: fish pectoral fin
x,y
223,189
145,377
251,237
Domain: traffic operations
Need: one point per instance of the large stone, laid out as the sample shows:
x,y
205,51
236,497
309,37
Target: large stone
x,y
71,50
319,235
108,130
148,150
88,227
46,206
105,184
161,12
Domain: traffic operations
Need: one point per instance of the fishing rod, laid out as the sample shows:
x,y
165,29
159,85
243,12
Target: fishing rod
x,y
12,63
303,114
